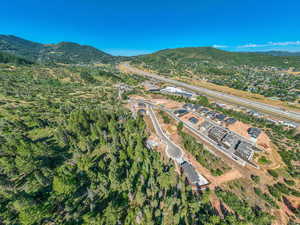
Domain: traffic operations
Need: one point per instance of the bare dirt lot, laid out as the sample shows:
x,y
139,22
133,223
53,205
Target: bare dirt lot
x,y
189,115
240,128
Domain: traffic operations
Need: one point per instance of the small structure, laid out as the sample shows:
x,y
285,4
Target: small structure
x,y
203,111
192,176
220,117
230,120
180,112
188,106
177,91
254,132
211,114
193,120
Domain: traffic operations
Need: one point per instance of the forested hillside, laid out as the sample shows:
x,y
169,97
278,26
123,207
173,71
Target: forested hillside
x,y
253,72
64,52
8,58
181,56
71,154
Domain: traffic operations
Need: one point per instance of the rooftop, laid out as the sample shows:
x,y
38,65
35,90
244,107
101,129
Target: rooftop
x,y
254,132
220,117
230,140
230,120
191,174
244,150
180,112
193,120
217,133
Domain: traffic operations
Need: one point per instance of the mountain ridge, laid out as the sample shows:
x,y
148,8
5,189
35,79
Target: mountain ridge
x,y
216,57
74,53
62,52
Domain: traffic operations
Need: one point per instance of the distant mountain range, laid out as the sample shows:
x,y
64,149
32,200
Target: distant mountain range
x,y
280,53
63,52
72,53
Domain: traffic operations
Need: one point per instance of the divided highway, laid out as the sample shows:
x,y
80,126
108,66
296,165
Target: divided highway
x,y
273,110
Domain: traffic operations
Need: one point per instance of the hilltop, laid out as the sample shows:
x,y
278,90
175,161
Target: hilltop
x,y
63,52
205,55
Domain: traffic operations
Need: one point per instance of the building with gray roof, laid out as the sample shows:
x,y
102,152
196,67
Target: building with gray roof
x,y
244,150
230,121
217,134
180,112
193,120
254,132
230,141
192,176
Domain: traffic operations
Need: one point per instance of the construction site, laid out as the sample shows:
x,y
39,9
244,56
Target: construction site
x,y
222,146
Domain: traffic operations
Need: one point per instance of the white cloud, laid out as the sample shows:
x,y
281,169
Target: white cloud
x,y
127,52
250,45
284,43
220,46
270,44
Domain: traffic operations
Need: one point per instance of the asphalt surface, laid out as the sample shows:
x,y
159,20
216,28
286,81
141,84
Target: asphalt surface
x,y
295,116
173,150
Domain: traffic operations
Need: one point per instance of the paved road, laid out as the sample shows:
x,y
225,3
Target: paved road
x,y
295,116
208,140
173,150
200,135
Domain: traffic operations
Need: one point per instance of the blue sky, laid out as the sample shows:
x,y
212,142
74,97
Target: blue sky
x,y
137,27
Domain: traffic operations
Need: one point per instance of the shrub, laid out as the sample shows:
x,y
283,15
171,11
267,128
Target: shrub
x,y
255,178
289,182
264,160
273,173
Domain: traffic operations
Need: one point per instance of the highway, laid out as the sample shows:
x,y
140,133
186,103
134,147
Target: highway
x,y
173,151
273,110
